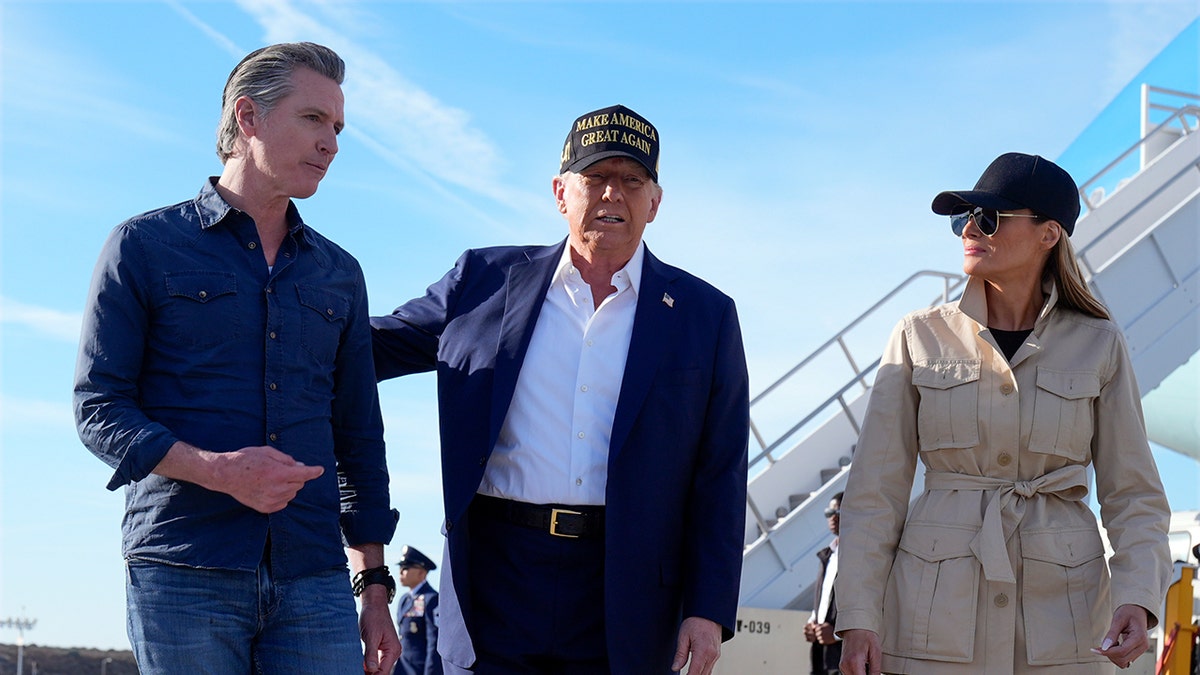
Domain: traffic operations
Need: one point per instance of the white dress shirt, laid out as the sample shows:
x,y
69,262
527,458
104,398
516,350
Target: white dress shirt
x,y
553,446
831,569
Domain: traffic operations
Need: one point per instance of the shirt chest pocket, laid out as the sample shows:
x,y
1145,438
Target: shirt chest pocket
x,y
200,308
948,412
323,316
1062,415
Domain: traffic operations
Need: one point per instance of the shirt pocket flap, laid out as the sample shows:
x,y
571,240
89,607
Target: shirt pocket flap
x,y
934,542
1069,548
1068,384
200,286
944,374
326,303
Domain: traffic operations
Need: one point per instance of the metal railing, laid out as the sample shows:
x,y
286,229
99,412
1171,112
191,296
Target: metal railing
x,y
950,285
1179,115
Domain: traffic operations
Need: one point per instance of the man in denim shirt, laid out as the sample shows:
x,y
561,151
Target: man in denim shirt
x,y
225,374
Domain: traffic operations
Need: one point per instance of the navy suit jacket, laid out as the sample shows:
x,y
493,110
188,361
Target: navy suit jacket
x,y
676,490
418,633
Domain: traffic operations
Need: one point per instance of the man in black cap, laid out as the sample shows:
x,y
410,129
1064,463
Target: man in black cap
x,y
594,421
416,616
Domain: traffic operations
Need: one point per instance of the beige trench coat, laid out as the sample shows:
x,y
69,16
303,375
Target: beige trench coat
x,y
999,567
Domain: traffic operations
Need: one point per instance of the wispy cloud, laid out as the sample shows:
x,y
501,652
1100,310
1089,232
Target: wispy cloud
x,y
1139,35
216,36
55,82
405,125
52,323
19,414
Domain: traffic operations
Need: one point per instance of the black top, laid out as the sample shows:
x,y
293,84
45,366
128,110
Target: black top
x,y
1009,340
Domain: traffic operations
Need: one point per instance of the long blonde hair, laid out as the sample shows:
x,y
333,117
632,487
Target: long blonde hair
x,y
1073,292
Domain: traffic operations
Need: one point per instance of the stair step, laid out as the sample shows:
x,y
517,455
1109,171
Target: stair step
x,y
797,499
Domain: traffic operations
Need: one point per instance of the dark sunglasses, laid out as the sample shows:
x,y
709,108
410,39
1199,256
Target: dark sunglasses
x,y
987,220
829,513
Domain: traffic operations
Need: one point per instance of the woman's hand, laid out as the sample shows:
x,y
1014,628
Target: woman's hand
x,y
860,652
1126,639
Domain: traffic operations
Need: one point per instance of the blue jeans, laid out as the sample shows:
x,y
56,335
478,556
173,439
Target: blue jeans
x,y
228,622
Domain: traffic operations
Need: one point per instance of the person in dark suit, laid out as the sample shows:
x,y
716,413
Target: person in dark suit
x,y
826,647
594,419
416,616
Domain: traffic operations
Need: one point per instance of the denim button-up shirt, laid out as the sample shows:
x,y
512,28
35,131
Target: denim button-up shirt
x,y
187,336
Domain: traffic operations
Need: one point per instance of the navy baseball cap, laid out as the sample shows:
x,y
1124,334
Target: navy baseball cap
x,y
411,557
1018,181
615,131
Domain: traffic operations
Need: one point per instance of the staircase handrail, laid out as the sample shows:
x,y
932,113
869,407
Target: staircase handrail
x,y
950,282
1179,114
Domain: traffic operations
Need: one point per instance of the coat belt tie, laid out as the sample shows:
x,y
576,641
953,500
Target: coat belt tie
x,y
1006,508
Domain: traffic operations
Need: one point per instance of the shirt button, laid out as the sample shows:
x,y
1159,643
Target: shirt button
x,y
589,343
581,434
483,461
329,311
1001,600
1006,389
273,437
583,388
270,290
274,386
203,294
272,335
579,481
1004,459
252,246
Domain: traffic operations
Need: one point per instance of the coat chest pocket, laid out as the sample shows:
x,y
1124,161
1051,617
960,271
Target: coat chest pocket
x,y
932,594
948,412
1065,590
323,316
201,308
1062,416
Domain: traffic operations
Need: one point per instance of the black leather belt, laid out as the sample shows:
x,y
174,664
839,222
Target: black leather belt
x,y
574,522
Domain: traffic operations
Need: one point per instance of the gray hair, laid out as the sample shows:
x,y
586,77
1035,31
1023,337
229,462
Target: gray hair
x,y
265,75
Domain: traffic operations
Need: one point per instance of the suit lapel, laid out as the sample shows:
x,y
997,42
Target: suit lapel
x,y
524,293
654,323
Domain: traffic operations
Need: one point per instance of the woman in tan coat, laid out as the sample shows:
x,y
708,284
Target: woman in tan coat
x,y
1008,396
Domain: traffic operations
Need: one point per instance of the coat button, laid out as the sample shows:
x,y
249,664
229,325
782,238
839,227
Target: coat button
x,y
1001,600
1006,389
1004,459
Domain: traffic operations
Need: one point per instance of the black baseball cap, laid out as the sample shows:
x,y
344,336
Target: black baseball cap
x,y
1019,181
615,131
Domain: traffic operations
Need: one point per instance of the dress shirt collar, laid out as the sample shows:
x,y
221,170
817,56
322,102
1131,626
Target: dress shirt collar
x,y
633,268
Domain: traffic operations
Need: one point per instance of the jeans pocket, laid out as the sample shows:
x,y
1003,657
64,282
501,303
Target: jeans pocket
x,y
932,594
1065,595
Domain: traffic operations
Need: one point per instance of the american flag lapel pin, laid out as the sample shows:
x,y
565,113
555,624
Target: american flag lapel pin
x,y
668,300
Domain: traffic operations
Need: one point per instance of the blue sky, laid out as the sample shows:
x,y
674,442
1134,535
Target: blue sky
x,y
801,146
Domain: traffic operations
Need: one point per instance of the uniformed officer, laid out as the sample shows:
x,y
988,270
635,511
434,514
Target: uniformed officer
x,y
416,617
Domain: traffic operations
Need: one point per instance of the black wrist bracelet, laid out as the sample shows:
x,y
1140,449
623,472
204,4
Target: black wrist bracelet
x,y
374,575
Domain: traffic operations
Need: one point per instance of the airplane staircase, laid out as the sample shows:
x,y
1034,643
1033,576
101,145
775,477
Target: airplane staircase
x,y
1139,246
